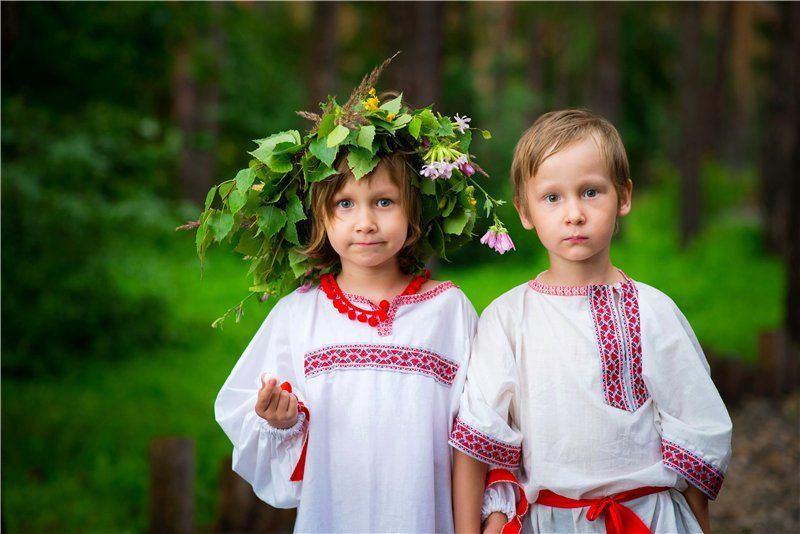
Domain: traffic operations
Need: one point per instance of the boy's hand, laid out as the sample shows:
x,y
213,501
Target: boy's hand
x,y
276,406
494,523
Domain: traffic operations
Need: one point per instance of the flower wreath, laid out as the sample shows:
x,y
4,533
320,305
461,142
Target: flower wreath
x,y
263,208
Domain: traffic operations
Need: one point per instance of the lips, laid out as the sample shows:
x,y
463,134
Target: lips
x,y
370,244
576,239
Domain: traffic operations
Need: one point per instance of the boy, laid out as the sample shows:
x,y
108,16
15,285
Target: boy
x,y
588,391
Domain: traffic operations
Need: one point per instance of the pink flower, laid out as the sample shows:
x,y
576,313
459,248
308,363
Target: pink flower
x,y
264,297
461,123
498,240
305,287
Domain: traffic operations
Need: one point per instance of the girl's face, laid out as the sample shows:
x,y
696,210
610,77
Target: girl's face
x,y
572,203
368,225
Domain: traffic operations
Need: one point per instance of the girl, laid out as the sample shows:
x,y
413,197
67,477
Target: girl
x,y
342,403
587,391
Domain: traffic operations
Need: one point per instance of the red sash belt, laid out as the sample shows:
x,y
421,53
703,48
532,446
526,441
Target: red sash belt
x,y
619,518
300,467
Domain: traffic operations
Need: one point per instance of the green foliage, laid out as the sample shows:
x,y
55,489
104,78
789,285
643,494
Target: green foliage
x,y
62,219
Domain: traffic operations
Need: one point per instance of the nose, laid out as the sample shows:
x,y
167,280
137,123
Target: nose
x,y
575,215
365,221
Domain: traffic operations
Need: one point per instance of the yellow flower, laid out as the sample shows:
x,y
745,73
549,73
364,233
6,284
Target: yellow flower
x,y
472,202
391,116
258,187
372,104
372,92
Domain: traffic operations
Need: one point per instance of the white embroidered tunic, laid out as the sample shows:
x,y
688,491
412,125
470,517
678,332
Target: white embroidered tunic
x,y
382,402
588,392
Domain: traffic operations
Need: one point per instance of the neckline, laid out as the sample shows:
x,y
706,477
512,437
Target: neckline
x,y
572,291
385,314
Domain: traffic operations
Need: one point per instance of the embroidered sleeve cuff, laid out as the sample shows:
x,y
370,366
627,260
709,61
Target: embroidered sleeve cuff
x,y
283,433
499,498
697,471
483,447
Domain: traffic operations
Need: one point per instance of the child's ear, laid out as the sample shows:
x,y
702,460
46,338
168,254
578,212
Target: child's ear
x,y
625,201
526,223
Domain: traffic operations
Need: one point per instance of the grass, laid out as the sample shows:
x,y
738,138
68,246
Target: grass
x,y
75,446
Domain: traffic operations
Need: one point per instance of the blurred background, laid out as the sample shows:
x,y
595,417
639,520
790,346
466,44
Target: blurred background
x,y
117,118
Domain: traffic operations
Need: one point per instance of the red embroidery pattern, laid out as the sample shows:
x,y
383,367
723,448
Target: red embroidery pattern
x,y
385,327
697,471
383,357
563,291
633,331
619,342
482,447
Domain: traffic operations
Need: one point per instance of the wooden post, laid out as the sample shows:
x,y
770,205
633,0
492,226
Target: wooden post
x,y
239,509
172,474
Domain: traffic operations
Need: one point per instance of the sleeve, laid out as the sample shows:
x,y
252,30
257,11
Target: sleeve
x,y
263,455
483,428
693,422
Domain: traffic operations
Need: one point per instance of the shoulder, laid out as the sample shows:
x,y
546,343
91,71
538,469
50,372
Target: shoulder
x,y
508,305
448,295
655,299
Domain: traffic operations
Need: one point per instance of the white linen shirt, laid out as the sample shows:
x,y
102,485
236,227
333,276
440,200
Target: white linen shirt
x,y
590,391
382,402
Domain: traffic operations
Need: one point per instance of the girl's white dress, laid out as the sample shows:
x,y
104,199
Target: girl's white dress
x,y
591,391
382,402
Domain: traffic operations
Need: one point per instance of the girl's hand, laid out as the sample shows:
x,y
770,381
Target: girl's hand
x,y
494,523
276,406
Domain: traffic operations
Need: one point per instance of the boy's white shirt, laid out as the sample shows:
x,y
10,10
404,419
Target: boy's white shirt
x,y
381,404
535,394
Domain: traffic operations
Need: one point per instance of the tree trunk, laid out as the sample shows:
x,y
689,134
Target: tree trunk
x,y
195,107
604,95
416,31
324,53
691,122
719,97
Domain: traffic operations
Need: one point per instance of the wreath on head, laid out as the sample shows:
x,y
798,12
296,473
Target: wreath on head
x,y
263,208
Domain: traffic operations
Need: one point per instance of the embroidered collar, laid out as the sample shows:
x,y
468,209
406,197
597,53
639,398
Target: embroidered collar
x,y
572,291
385,312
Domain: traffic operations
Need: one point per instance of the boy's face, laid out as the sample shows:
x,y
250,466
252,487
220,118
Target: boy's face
x,y
572,203
368,225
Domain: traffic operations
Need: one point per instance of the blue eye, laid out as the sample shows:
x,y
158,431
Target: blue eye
x,y
591,193
384,203
551,198
345,204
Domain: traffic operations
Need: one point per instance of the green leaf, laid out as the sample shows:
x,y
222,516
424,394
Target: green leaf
x,y
437,239
465,141
338,135
225,188
267,146
290,232
486,134
210,197
249,244
365,136
294,210
320,149
445,127
221,224
260,288
361,162
392,106
414,126
320,173
455,223
270,220
402,120
237,200
429,121
428,187
244,179
325,126
280,163
297,261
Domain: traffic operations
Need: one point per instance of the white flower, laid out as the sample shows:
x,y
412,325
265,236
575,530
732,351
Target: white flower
x,y
462,123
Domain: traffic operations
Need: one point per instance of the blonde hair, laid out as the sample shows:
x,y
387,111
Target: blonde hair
x,y
554,131
322,194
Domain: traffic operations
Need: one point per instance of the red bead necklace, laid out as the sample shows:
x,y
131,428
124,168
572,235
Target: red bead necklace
x,y
353,312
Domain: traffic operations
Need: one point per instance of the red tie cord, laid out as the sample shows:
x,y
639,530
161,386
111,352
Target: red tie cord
x,y
619,519
496,476
300,467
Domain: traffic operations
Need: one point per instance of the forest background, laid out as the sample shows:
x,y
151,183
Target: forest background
x,y
117,118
